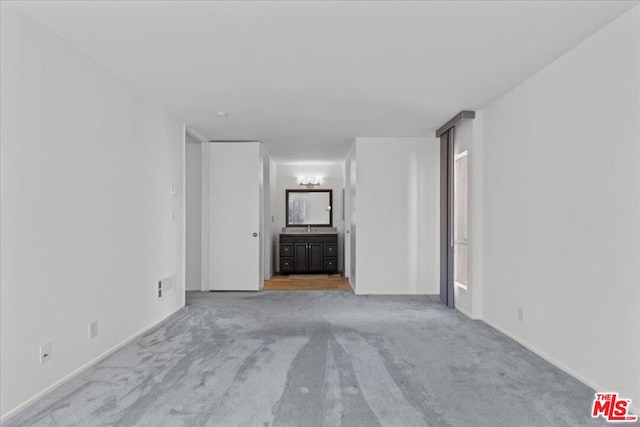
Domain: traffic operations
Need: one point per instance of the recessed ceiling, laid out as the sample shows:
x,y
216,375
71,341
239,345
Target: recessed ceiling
x,y
307,77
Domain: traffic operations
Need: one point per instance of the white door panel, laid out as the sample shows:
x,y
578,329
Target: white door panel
x,y
234,215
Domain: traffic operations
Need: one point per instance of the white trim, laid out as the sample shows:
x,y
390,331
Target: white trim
x,y
82,368
194,134
458,156
465,243
562,367
460,285
204,220
465,312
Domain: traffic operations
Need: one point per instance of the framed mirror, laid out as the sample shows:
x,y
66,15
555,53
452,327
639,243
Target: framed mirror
x,y
309,208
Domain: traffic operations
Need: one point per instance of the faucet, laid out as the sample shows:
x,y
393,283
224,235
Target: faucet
x,y
308,229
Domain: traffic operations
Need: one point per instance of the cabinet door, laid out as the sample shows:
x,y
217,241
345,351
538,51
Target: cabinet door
x,y
315,257
300,257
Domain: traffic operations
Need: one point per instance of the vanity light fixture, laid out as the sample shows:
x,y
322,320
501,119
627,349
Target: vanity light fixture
x,y
309,181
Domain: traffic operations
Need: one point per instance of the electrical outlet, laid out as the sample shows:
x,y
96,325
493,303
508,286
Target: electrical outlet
x,y
159,288
45,352
521,314
93,329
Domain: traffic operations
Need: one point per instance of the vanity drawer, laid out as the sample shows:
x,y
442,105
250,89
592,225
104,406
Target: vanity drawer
x,y
286,264
330,264
330,249
286,249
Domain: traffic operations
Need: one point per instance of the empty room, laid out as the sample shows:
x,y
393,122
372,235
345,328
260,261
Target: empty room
x,y
319,213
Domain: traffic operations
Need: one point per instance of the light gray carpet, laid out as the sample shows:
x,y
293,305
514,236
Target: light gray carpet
x,y
320,358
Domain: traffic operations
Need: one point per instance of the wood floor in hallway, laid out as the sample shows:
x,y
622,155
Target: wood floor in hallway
x,y
311,282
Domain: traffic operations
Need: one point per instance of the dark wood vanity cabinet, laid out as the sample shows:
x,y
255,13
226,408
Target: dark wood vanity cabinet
x,y
308,253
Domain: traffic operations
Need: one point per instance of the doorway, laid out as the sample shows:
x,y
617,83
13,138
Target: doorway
x,y
453,240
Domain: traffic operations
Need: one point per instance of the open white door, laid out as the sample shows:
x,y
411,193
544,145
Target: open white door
x,y
235,250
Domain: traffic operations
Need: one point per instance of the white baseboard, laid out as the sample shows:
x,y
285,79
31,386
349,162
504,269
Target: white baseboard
x,y
81,369
634,407
469,315
465,312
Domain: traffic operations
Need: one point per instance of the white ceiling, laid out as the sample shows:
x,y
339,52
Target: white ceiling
x,y
307,77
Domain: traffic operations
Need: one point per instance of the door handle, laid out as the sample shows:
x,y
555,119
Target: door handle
x,y
255,234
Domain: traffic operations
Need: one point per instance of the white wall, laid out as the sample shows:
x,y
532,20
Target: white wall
x,y
193,194
562,210
397,215
87,168
332,178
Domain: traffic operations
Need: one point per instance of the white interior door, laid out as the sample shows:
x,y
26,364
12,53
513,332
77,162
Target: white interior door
x,y
235,251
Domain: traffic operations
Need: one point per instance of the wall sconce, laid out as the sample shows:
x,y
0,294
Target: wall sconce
x,y
309,181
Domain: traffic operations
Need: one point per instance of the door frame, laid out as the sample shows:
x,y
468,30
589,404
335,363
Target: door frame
x,y
446,218
447,164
